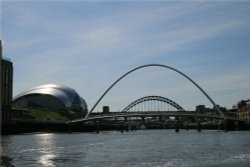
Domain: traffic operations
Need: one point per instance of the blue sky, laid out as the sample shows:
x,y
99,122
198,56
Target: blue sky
x,y
87,45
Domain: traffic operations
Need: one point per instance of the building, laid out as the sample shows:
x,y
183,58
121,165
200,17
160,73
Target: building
x,y
105,110
243,110
50,97
6,89
201,109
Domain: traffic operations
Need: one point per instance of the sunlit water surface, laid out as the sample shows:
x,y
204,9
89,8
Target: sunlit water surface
x,y
145,148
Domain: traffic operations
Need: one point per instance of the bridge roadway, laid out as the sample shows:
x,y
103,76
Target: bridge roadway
x,y
151,114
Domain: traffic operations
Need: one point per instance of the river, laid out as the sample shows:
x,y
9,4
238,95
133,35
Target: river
x,y
143,148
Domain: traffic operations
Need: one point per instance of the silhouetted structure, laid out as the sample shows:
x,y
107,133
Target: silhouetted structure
x,y
105,109
202,109
6,88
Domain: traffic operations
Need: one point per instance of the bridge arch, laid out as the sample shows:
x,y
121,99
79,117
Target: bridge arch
x,y
153,98
157,65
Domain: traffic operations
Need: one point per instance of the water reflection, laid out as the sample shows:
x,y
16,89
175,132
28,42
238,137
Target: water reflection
x,y
190,149
47,153
44,138
46,160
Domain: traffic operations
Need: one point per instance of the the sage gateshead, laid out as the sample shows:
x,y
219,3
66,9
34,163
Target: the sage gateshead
x,y
52,98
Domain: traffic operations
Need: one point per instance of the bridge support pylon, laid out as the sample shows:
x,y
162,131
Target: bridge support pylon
x,y
160,118
225,122
199,126
69,128
97,128
177,124
187,127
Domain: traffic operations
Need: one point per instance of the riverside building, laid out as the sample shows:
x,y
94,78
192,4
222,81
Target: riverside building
x,y
6,88
243,110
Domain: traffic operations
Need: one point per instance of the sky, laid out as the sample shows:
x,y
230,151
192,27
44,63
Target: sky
x,y
87,45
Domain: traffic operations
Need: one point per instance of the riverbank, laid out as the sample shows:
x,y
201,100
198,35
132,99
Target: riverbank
x,y
32,126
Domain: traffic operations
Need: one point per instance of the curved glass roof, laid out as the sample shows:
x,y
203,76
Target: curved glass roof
x,y
65,94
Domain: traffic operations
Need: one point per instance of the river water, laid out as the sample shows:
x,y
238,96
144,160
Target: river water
x,y
143,148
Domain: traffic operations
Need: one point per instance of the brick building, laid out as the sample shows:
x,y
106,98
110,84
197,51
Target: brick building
x,y
243,110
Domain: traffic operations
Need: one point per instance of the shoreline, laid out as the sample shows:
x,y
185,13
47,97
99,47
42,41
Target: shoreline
x,y
23,127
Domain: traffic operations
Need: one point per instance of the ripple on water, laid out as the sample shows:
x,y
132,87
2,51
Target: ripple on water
x,y
145,148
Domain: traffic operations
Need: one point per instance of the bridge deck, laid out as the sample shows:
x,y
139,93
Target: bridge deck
x,y
150,114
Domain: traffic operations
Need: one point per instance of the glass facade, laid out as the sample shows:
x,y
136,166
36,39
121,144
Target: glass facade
x,y
52,97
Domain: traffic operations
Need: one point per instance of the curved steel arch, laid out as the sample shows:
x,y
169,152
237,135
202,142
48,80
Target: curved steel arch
x,y
150,98
156,65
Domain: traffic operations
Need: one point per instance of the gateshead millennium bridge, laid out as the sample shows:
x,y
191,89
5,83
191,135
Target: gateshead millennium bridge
x,y
218,114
